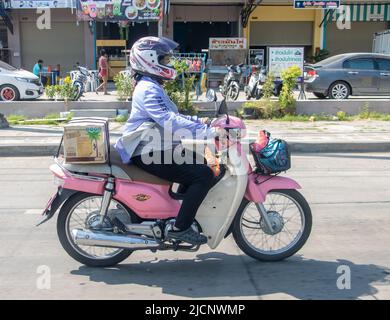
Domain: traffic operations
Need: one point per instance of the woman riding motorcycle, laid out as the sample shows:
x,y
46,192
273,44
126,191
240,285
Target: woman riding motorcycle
x,y
153,111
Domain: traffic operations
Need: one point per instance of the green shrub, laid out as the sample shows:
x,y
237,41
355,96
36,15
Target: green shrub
x,y
365,113
179,90
286,98
66,90
263,109
51,91
341,115
52,116
122,118
268,86
124,86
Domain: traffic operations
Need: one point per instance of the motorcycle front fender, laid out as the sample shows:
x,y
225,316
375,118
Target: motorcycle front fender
x,y
259,186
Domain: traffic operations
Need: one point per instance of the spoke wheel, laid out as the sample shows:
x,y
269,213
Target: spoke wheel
x,y
75,214
291,220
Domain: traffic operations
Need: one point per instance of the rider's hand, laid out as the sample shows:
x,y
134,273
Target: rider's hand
x,y
205,120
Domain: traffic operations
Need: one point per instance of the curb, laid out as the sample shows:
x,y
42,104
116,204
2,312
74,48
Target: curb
x,y
40,150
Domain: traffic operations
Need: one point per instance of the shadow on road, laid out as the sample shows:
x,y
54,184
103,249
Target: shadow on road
x,y
228,276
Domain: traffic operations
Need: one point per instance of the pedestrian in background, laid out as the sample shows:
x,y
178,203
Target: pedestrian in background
x,y
103,71
38,67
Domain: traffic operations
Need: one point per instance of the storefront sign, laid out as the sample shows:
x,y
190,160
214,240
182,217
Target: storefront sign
x,y
36,4
227,43
120,10
361,12
326,4
281,58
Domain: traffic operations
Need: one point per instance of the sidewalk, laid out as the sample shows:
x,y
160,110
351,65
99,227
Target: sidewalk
x,y
304,137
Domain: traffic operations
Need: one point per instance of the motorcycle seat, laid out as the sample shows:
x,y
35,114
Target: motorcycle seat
x,y
119,170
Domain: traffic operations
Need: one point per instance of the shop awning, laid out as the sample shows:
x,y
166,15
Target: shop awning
x,y
362,12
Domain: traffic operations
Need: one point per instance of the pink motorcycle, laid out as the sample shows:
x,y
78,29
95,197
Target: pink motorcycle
x,y
109,211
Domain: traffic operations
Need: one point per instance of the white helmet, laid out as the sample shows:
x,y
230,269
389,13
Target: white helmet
x,y
146,55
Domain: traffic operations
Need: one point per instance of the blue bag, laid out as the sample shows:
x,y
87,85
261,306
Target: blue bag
x,y
275,157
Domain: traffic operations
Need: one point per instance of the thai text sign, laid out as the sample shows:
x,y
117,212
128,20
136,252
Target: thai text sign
x,y
227,43
35,4
281,58
326,4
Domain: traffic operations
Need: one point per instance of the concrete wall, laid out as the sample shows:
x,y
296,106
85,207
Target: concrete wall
x,y
35,109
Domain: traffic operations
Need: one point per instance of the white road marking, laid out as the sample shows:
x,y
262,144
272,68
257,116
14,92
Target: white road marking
x,y
33,211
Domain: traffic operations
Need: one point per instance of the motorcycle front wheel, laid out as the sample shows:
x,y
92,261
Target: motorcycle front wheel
x,y
233,91
258,93
78,91
291,218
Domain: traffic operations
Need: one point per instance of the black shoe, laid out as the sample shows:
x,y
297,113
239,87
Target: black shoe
x,y
189,236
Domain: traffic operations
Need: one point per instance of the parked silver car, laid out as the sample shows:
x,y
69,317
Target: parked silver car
x,y
343,75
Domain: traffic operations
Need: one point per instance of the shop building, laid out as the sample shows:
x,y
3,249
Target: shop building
x,y
192,23
278,23
65,43
366,19
69,40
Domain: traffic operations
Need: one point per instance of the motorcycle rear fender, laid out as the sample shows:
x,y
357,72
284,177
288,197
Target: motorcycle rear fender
x,y
71,185
61,196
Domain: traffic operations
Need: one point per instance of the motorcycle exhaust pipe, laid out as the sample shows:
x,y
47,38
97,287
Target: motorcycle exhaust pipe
x,y
112,240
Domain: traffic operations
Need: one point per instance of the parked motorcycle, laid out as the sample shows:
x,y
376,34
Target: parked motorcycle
x,y
230,89
254,89
109,211
80,80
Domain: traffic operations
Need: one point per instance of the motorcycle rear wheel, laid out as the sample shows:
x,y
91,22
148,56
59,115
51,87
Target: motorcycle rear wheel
x,y
75,251
242,223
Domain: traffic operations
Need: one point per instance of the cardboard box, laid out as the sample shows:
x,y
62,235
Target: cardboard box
x,y
86,141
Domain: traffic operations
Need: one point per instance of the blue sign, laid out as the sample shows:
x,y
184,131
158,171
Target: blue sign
x,y
326,4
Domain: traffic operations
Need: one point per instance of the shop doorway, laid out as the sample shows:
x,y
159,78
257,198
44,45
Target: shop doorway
x,y
4,51
131,33
194,36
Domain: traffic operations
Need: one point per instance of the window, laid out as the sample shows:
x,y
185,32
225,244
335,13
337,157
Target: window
x,y
383,64
360,64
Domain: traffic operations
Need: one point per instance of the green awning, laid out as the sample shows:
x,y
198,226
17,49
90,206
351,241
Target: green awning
x,y
363,12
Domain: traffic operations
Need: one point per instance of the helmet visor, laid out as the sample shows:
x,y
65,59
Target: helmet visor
x,y
162,46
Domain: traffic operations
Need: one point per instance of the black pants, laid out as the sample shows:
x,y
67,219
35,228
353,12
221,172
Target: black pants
x,y
196,178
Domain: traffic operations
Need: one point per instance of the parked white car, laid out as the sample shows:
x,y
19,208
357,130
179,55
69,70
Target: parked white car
x,y
18,84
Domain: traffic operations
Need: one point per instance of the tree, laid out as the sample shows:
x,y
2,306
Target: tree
x,y
94,135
